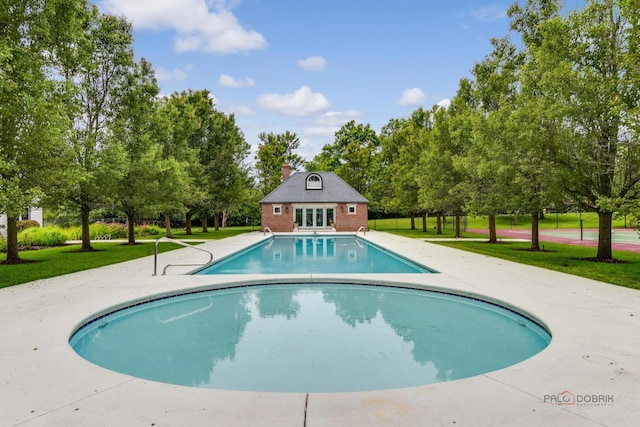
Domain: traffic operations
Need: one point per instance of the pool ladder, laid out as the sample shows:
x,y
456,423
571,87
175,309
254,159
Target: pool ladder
x,y
177,242
364,230
264,231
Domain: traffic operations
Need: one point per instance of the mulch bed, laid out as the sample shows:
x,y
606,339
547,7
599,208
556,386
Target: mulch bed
x,y
606,261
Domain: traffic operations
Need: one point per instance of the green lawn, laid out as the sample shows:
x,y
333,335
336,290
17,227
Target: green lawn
x,y
61,260
559,257
565,258
197,233
551,220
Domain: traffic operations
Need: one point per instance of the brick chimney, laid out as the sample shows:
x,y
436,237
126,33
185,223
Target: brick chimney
x,y
286,171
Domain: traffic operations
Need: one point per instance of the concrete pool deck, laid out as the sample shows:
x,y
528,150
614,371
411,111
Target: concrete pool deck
x,y
594,356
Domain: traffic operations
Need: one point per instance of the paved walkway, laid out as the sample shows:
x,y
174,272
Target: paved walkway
x,y
594,355
623,239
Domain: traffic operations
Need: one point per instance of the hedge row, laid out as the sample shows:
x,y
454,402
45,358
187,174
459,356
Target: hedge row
x,y
57,236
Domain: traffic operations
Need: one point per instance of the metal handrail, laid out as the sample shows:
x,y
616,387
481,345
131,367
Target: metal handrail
x,y
364,230
264,231
177,242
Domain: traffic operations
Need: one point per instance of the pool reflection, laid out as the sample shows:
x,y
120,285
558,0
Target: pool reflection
x,y
313,254
309,338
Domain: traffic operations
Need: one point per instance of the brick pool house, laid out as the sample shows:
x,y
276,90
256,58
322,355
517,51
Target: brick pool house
x,y
313,201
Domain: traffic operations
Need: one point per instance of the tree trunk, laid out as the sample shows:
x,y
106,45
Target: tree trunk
x,y
424,222
493,236
167,225
86,234
225,218
439,223
187,226
132,228
12,239
216,222
458,233
535,235
604,236
205,226
413,221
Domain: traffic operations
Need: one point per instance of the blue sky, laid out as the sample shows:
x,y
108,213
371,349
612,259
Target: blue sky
x,y
310,66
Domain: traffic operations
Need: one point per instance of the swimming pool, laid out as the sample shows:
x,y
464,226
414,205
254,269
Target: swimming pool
x,y
304,337
313,254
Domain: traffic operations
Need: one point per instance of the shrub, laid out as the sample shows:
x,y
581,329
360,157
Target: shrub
x,y
27,223
117,230
73,233
99,231
3,244
55,236
148,230
45,236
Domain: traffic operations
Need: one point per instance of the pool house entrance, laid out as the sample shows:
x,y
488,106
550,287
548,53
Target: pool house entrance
x,y
314,216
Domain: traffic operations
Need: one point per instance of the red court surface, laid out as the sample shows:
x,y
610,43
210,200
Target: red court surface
x,y
623,239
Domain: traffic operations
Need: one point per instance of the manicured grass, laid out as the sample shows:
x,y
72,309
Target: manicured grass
x,y
551,220
565,258
180,234
402,227
61,260
559,257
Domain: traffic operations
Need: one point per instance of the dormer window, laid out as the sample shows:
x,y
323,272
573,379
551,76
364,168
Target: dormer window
x,y
314,182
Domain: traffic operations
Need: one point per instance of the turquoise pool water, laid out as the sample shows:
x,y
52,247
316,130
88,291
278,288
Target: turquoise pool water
x,y
309,338
313,254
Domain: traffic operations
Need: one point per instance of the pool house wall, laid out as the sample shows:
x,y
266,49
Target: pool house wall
x,y
345,218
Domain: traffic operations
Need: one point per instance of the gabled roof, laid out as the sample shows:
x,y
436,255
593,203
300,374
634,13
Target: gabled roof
x,y
334,190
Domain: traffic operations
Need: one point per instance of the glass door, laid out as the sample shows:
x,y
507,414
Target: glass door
x,y
308,217
314,217
319,217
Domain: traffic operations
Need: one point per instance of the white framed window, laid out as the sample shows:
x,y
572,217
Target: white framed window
x,y
314,182
351,209
277,209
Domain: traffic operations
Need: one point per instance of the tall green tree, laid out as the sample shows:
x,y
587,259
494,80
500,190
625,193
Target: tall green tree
x,y
132,131
392,137
592,80
178,167
442,176
224,164
273,151
402,143
37,40
353,156
489,159
100,77
214,149
197,118
533,126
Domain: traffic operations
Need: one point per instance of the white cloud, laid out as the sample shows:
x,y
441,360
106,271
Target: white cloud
x,y
243,110
413,97
321,130
300,103
198,27
313,63
489,13
228,81
331,122
338,117
445,103
164,75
